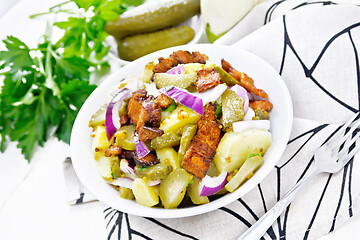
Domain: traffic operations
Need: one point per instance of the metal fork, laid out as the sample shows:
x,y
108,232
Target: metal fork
x,y
331,157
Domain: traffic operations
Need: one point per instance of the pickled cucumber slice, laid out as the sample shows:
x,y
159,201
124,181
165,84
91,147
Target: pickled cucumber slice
x,y
189,132
245,172
226,77
168,155
177,80
99,117
232,109
173,188
166,140
179,118
125,137
133,47
115,167
152,17
144,194
234,148
154,172
194,193
126,193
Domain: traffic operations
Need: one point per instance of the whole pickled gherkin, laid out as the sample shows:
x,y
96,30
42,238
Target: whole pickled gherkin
x,y
154,172
152,17
168,139
189,132
232,109
133,47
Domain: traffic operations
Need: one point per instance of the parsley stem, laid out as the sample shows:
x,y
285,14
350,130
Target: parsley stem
x,y
50,82
51,12
60,4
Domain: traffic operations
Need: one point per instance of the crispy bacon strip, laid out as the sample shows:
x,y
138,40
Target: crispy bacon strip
x,y
203,146
179,57
262,104
245,81
113,150
206,79
145,114
148,160
124,120
163,100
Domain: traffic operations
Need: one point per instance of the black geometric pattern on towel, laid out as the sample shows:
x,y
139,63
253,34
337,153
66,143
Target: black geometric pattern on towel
x,y
119,224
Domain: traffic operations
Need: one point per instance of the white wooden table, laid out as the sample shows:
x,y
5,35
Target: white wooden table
x,y
33,196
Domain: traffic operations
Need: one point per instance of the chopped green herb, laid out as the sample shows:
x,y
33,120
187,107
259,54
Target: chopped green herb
x,y
171,107
252,155
218,111
191,182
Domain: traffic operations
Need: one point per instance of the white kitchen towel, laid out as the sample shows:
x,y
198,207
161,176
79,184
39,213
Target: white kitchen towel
x,y
315,48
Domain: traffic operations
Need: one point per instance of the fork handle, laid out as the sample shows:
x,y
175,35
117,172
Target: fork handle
x,y
257,230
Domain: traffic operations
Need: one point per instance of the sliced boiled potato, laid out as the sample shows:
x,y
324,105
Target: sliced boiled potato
x,y
144,194
177,80
194,193
103,165
168,155
245,172
235,147
193,67
172,189
100,141
179,118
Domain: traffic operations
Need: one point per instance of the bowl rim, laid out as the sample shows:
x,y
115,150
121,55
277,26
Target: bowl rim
x,y
276,149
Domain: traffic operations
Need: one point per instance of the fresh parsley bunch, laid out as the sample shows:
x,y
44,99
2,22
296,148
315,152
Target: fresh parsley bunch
x,y
44,87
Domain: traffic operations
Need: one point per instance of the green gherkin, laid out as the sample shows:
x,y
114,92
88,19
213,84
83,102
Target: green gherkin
x,y
133,47
145,20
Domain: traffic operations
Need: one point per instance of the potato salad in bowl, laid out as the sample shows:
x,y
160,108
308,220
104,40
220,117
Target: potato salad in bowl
x,y
184,132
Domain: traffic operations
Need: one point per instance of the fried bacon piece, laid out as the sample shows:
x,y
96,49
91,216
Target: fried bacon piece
x,y
203,146
124,120
163,100
262,104
128,155
245,81
179,57
148,160
148,133
145,113
113,150
206,79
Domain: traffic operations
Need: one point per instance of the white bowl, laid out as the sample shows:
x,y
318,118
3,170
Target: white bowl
x,y
265,77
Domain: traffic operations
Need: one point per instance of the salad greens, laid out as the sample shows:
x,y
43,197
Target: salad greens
x,y
44,87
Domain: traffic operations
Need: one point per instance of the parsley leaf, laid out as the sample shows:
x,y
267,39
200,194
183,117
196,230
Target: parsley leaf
x,y
44,87
17,55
